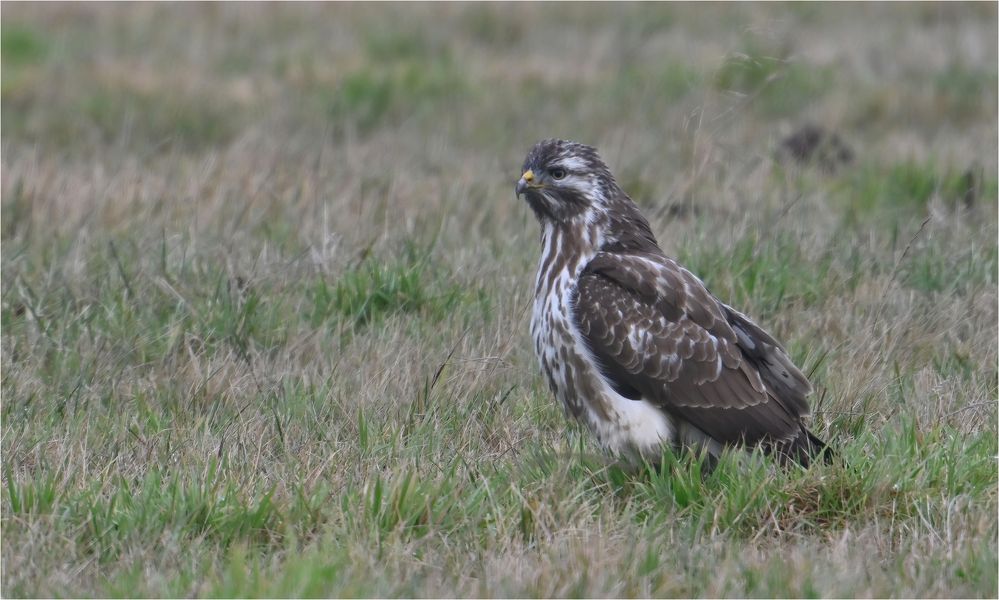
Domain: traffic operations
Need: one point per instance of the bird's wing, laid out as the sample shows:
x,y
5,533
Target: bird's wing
x,y
659,334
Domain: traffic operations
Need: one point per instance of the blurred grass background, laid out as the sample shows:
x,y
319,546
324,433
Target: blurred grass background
x,y
265,281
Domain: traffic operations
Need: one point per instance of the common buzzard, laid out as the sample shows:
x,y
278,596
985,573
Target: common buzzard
x,y
632,343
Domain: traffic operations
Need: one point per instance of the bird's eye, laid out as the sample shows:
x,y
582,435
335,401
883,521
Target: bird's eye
x,y
558,173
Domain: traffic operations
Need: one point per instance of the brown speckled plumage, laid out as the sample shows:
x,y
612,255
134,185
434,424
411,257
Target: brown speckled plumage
x,y
632,343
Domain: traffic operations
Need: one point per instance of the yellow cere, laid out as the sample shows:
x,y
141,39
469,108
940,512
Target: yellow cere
x,y
528,176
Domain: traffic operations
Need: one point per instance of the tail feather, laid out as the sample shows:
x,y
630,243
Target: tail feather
x,y
805,448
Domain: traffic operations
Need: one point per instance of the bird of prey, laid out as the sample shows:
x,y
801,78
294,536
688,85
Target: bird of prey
x,y
633,344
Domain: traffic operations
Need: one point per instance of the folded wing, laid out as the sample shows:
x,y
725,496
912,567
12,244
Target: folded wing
x,y
660,335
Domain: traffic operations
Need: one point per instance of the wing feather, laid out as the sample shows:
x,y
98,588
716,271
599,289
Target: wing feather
x,y
655,328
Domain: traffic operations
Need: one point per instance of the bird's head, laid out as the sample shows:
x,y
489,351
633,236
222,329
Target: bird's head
x,y
567,183
563,180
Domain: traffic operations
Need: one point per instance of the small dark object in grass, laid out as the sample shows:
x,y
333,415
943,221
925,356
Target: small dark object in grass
x,y
970,188
813,145
684,209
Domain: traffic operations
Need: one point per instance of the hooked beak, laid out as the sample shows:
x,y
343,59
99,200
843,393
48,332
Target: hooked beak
x,y
526,182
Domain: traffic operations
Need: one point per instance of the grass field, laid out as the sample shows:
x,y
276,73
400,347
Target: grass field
x,y
265,292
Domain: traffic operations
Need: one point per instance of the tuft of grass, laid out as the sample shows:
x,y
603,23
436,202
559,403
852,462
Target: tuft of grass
x,y
965,93
369,292
23,50
776,85
670,82
162,117
492,25
108,114
931,271
409,44
905,188
770,275
380,96
21,46
905,184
